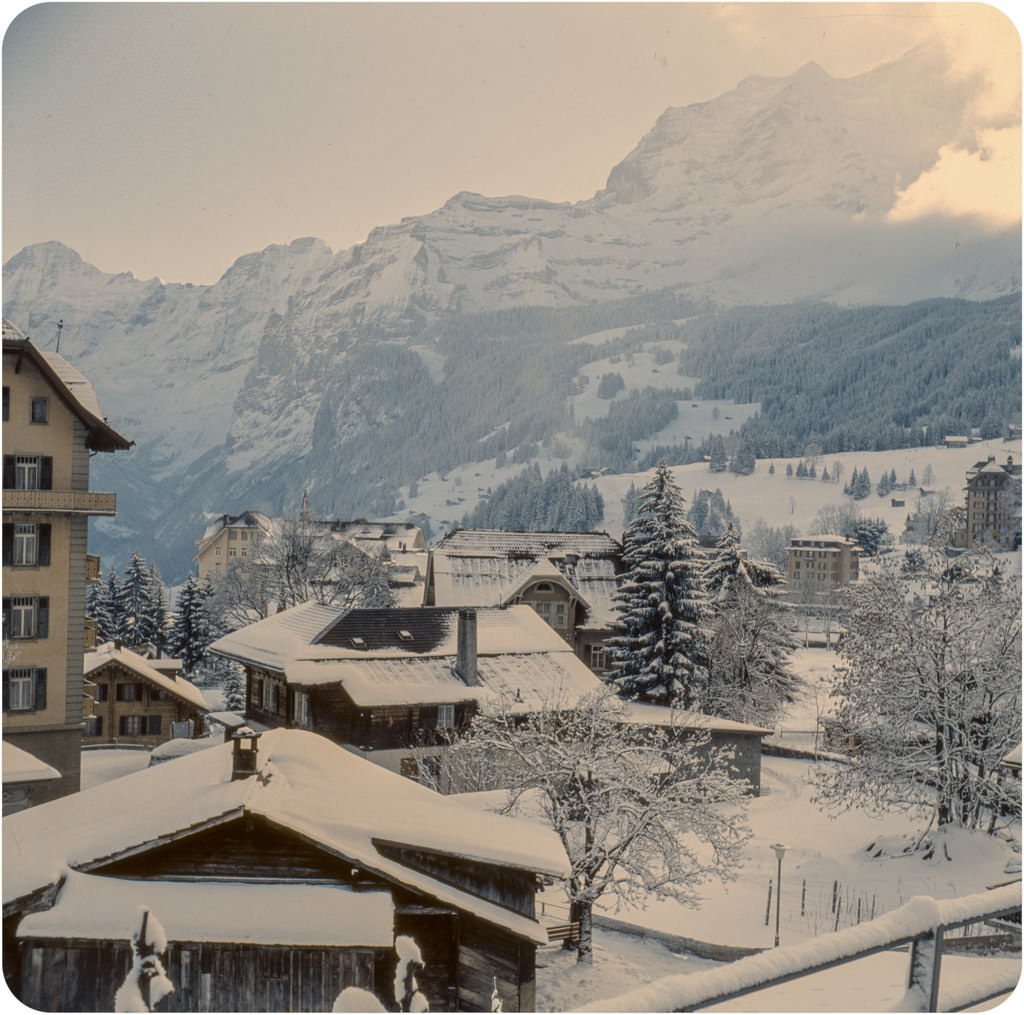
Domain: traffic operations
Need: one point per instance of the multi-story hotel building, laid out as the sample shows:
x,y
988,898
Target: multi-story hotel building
x,y
819,563
52,425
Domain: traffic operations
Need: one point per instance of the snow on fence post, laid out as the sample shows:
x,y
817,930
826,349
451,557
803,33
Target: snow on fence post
x,y
768,907
923,973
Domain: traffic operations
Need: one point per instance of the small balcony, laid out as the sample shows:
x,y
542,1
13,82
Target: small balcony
x,y
61,502
92,567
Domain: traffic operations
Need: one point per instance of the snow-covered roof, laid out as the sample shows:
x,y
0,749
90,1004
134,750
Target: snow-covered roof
x,y
246,520
177,686
108,909
72,387
271,642
304,783
522,682
20,766
663,715
1011,760
404,656
488,567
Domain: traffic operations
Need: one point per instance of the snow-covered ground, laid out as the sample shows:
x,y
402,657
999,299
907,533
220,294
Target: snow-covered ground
x,y
101,764
825,855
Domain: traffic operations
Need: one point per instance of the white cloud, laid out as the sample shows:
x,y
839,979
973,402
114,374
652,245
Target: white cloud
x,y
985,182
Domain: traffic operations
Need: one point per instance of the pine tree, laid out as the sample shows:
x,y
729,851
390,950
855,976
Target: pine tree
x,y
140,595
863,488
719,459
789,469
106,609
851,486
190,633
657,651
912,479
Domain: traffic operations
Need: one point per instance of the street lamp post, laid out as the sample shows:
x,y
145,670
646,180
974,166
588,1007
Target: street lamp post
x,y
780,852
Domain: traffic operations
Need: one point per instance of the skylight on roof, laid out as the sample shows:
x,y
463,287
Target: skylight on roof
x,y
405,635
358,642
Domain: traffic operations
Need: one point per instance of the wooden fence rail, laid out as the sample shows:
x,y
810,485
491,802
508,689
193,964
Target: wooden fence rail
x,y
920,923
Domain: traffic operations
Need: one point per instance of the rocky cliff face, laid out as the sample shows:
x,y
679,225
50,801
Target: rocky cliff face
x,y
243,393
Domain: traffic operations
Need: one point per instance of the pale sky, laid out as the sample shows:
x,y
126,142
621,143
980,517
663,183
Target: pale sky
x,y
170,139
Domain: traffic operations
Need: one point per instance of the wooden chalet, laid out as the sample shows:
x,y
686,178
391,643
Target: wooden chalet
x,y
569,578
388,682
134,700
281,867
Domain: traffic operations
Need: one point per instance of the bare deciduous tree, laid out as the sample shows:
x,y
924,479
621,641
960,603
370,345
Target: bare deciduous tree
x,y
640,810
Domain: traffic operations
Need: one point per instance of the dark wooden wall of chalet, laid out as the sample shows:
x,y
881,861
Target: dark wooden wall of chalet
x,y
487,953
436,933
246,846
84,975
514,889
746,760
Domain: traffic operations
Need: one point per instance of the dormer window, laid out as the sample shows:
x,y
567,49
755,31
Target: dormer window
x,y
543,587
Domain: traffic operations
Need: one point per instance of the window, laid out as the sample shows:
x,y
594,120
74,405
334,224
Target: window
x,y
26,544
560,614
218,551
231,551
39,411
102,691
93,727
232,534
129,692
598,658
26,475
446,716
130,726
257,692
301,709
269,696
26,617
153,725
24,689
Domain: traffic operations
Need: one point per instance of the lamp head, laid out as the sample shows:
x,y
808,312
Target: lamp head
x,y
780,849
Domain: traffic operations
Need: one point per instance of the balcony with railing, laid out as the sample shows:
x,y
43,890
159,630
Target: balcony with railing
x,y
61,502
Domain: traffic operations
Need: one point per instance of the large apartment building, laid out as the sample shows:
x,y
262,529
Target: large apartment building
x,y
52,425
820,563
993,505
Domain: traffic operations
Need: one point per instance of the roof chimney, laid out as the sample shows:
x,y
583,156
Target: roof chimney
x,y
243,758
465,653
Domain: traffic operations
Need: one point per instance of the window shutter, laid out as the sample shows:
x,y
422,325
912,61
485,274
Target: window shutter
x,y
43,617
46,473
8,545
7,618
154,725
8,472
99,725
7,691
40,690
44,545
122,725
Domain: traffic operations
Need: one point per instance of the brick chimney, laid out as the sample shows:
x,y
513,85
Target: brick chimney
x,y
465,652
244,754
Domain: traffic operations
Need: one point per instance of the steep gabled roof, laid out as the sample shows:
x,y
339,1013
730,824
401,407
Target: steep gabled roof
x,y
490,567
71,387
304,784
143,668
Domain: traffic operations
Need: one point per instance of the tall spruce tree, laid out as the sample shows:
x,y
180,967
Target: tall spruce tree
x,y
141,601
190,632
104,606
658,652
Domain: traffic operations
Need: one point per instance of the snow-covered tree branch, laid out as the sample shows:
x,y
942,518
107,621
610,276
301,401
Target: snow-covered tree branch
x,y
929,692
640,810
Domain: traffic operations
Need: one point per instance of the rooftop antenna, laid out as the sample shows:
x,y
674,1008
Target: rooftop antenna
x,y
60,325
